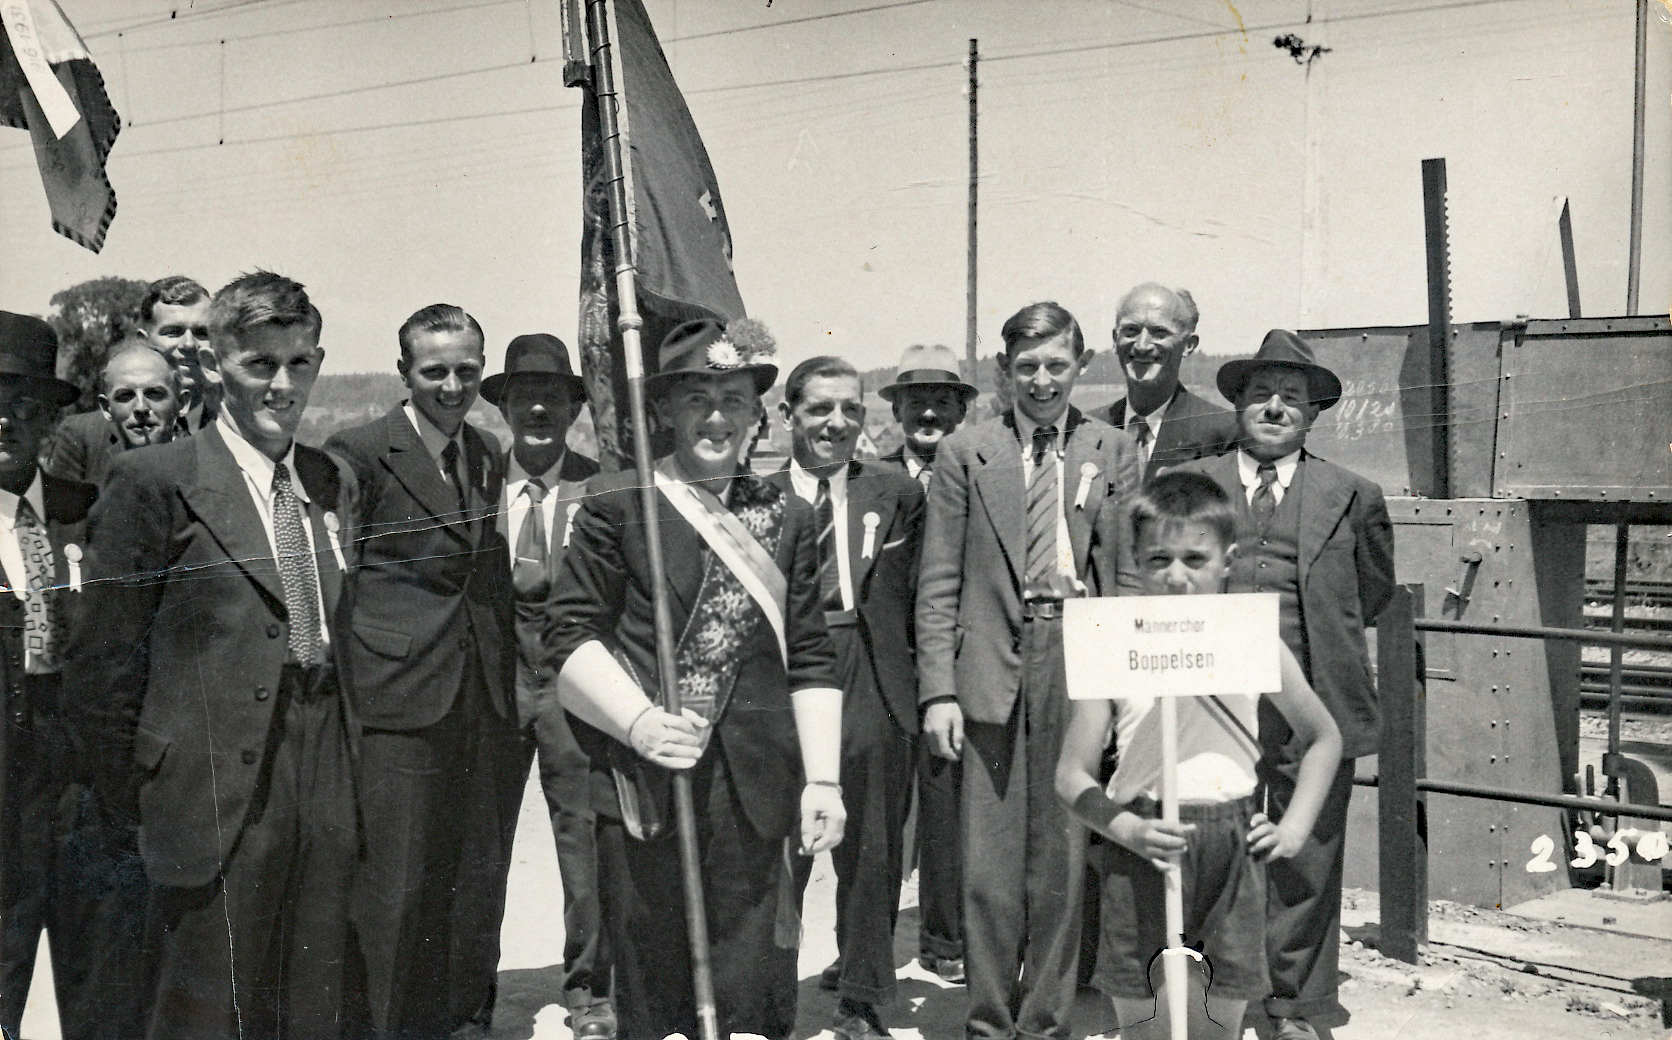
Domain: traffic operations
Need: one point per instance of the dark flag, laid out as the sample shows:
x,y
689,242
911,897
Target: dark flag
x,y
50,87
681,242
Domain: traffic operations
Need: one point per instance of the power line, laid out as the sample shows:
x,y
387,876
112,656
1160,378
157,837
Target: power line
x,y
196,16
797,21
728,88
294,29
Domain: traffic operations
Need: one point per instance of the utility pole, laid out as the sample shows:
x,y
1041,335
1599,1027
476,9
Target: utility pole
x,y
975,159
1635,260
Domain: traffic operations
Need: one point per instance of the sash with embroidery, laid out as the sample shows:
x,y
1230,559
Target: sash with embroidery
x,y
741,584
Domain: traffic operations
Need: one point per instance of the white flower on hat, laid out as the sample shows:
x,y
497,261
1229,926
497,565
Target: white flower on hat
x,y
723,354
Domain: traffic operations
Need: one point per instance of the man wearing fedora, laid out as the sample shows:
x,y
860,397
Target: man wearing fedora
x,y
930,401
1320,538
1020,518
1155,330
870,522
46,883
760,730
432,652
545,483
208,674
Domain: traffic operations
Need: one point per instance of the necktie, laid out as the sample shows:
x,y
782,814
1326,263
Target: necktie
x,y
1264,502
1042,514
1146,440
450,468
528,572
296,570
830,575
42,623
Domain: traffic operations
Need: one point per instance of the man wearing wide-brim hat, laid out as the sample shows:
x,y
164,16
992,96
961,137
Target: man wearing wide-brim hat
x,y
930,401
545,481
92,918
760,732
1320,537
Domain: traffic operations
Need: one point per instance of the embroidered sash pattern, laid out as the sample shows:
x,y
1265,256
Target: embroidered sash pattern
x,y
726,615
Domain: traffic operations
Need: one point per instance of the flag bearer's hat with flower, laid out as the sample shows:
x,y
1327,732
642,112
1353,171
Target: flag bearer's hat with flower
x,y
712,347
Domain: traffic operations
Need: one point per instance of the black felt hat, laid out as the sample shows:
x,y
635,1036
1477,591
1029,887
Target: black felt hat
x,y
1281,347
711,347
536,355
29,350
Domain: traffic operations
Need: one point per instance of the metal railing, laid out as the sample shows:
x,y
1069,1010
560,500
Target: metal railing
x,y
1401,761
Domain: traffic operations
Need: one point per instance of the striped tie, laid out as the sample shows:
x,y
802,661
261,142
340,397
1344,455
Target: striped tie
x,y
830,576
1042,514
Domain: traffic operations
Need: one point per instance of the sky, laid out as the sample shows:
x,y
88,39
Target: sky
x,y
395,153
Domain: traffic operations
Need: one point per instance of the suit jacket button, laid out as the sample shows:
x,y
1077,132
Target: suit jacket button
x,y
249,757
261,693
272,631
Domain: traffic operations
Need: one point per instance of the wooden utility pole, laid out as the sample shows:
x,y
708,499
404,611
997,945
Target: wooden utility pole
x,y
975,158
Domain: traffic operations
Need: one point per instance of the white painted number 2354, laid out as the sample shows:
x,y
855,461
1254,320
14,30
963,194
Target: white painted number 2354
x,y
1651,847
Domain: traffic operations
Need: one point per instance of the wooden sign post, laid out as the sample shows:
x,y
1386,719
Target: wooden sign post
x,y
1165,647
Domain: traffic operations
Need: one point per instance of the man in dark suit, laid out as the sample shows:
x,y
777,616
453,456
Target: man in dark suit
x,y
174,319
760,729
1155,330
545,482
139,403
1320,538
431,651
53,871
1021,516
870,522
930,401
209,662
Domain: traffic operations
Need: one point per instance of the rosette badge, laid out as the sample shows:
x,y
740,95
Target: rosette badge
x,y
712,347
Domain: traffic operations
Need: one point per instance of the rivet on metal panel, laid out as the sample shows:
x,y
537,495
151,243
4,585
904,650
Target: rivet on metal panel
x,y
1491,758
1494,689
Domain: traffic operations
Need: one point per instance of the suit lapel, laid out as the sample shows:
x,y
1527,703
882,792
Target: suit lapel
x,y
998,483
863,499
319,479
1082,463
411,464
1324,500
221,501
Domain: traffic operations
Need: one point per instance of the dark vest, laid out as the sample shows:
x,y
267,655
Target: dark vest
x,y
1269,561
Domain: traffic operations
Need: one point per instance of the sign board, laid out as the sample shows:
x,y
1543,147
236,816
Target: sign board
x,y
1116,647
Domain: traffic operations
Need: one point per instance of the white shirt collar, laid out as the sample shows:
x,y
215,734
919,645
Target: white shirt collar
x,y
1026,427
259,467
435,442
915,463
34,495
1248,468
516,476
806,485
1153,419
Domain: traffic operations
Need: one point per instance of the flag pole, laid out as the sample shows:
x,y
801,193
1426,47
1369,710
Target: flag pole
x,y
630,323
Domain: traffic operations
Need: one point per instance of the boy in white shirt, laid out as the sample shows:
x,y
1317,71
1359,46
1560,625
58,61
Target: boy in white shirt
x,y
1183,530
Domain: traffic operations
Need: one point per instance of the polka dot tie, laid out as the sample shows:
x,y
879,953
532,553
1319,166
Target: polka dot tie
x,y
296,570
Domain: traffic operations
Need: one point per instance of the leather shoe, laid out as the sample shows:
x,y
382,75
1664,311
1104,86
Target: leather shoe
x,y
830,979
858,1021
947,969
596,1022
1292,1029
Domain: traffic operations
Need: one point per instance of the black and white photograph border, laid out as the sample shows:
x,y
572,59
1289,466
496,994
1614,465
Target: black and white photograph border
x,y
1464,207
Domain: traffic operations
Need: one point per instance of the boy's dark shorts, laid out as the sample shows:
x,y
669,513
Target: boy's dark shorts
x,y
1224,907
